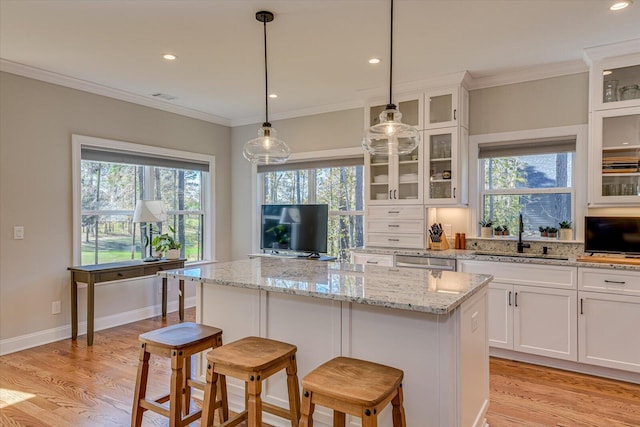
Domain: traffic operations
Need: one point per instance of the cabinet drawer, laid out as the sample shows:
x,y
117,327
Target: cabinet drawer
x,y
375,259
399,226
610,281
400,212
395,240
550,276
108,276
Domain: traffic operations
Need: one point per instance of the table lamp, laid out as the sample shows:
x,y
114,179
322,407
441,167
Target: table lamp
x,y
149,211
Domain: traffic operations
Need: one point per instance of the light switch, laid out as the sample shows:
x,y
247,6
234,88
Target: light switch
x,y
18,232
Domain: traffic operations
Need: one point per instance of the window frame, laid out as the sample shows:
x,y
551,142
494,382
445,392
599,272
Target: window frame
x,y
257,184
579,178
208,187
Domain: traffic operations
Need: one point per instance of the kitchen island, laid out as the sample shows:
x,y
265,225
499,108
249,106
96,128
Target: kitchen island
x,y
430,324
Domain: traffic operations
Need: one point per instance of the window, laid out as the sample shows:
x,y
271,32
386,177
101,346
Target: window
x,y
112,176
535,178
337,183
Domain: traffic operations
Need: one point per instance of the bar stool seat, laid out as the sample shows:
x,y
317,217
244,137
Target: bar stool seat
x,y
253,360
177,342
355,387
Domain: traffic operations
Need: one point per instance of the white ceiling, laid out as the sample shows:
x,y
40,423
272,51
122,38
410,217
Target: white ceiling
x,y
318,49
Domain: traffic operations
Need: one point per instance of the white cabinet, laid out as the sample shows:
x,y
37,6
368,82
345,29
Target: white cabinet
x,y
615,156
395,226
609,315
446,107
446,170
372,259
531,309
394,180
614,143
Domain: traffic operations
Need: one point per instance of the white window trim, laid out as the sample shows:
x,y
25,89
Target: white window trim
x,y
208,186
579,179
256,188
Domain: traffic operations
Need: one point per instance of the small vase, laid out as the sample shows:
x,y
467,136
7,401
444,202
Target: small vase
x,y
566,234
486,232
172,254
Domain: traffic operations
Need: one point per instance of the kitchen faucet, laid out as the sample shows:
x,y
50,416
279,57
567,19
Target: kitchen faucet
x,y
521,245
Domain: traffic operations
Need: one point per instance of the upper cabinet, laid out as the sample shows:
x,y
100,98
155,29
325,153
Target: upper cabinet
x,y
446,166
394,179
614,142
446,107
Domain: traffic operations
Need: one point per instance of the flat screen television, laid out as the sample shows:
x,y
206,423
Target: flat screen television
x,y
612,234
298,228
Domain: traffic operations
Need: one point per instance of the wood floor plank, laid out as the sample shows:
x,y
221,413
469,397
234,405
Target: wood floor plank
x,y
67,383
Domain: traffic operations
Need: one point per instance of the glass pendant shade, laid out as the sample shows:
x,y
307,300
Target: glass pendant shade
x,y
266,149
391,136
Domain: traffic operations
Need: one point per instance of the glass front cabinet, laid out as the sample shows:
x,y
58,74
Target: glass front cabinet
x,y
446,108
616,157
445,166
394,179
614,151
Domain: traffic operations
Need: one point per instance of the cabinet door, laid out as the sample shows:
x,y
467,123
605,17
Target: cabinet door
x,y
441,167
615,157
410,106
608,330
545,322
613,82
379,178
393,180
442,108
500,315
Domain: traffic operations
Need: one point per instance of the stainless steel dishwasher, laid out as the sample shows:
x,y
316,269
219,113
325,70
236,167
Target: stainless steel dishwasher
x,y
426,261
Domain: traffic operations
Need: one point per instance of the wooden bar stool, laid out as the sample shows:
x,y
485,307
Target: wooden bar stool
x,y
355,387
252,360
178,342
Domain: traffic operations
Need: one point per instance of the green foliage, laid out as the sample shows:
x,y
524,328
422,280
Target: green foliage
x,y
543,229
565,225
487,222
552,230
280,233
164,242
499,229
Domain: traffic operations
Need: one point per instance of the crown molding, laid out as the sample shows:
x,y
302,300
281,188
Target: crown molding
x,y
83,85
598,53
528,74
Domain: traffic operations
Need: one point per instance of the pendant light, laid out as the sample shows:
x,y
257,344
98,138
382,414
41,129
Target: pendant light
x,y
266,149
391,136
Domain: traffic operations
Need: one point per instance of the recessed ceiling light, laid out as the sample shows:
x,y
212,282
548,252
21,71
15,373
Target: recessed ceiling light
x,y
273,95
619,5
607,72
374,61
169,56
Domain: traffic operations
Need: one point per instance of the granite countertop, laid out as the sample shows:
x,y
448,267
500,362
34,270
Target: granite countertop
x,y
438,292
570,260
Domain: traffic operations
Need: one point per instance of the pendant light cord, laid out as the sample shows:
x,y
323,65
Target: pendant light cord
x,y
266,80
391,58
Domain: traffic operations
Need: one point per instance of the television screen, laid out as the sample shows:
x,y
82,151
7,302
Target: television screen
x,y
612,234
301,228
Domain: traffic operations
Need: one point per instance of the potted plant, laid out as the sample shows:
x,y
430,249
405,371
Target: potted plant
x,y
544,231
165,243
505,230
498,230
553,232
566,233
486,227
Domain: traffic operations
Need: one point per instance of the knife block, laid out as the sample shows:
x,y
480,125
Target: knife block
x,y
442,245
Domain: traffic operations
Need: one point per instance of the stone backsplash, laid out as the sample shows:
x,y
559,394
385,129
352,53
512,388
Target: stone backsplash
x,y
508,245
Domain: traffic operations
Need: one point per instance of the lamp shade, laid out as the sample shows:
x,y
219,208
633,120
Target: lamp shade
x,y
391,136
149,211
266,149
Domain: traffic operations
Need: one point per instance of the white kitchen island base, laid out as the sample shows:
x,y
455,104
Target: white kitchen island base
x,y
445,357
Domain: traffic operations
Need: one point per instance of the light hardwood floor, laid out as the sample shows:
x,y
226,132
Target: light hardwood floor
x,y
67,384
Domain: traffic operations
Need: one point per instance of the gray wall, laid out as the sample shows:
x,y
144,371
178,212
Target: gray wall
x,y
37,120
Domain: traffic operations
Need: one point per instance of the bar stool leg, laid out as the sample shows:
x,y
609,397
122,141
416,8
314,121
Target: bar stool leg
x,y
223,414
339,419
294,391
307,408
177,380
141,387
254,404
186,389
209,400
398,409
369,421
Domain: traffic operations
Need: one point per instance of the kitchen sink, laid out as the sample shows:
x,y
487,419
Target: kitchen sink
x,y
522,255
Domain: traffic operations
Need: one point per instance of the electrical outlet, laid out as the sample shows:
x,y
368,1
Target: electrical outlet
x,y
474,321
55,307
18,232
448,230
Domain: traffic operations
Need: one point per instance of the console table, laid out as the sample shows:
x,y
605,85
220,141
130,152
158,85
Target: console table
x,y
92,274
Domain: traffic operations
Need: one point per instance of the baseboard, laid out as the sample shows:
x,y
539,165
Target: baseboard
x,y
23,342
567,365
